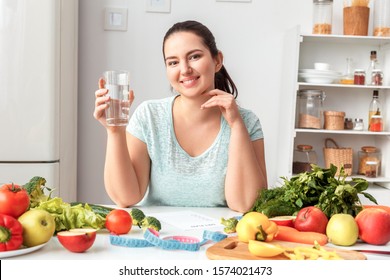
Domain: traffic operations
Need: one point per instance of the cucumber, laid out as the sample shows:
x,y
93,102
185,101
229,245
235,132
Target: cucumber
x,y
96,208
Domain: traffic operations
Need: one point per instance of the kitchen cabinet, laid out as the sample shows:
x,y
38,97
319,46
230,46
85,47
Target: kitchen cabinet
x,y
301,51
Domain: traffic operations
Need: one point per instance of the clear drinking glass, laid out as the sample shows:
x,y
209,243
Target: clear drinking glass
x,y
118,85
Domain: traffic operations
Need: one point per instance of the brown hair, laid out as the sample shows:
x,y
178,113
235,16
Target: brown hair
x,y
223,81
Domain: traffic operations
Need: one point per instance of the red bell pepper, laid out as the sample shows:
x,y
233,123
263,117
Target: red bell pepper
x,y
11,233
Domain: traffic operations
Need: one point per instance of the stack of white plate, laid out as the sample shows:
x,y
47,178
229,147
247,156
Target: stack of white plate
x,y
314,76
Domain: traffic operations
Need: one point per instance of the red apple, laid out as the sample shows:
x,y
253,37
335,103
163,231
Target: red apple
x,y
77,240
284,220
384,207
374,226
312,219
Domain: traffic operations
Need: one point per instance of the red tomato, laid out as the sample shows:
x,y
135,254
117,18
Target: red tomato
x,y
119,221
14,200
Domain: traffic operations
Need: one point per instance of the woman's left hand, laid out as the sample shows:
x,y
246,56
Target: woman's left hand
x,y
226,103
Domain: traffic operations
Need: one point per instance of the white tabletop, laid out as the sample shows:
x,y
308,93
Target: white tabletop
x,y
104,250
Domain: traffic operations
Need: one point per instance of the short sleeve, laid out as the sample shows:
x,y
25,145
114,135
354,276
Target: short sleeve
x,y
252,123
137,120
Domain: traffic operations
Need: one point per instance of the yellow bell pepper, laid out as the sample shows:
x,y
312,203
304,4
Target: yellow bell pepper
x,y
264,249
255,226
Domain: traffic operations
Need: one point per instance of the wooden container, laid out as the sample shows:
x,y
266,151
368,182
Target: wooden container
x,y
356,20
334,120
338,156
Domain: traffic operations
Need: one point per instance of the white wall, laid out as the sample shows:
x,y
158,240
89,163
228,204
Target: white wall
x,y
249,34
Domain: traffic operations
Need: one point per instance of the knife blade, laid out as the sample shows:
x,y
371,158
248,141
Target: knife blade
x,y
374,252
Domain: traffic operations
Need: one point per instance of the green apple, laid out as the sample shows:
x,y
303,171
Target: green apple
x,y
342,230
38,227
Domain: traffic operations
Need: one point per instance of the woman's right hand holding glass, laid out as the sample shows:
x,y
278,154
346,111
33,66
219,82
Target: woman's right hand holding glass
x,y
101,103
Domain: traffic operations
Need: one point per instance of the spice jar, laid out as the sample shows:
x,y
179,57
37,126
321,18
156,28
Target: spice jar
x,y
359,77
358,124
369,161
376,123
304,156
322,16
376,77
310,108
348,123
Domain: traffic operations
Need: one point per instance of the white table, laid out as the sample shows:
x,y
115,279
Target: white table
x,y
104,250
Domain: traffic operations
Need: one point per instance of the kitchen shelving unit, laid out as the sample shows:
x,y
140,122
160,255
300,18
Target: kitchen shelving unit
x,y
300,52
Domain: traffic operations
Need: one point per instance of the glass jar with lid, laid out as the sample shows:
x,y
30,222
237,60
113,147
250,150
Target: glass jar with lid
x,y
322,16
359,77
304,156
310,108
348,123
377,77
382,18
369,161
358,124
376,123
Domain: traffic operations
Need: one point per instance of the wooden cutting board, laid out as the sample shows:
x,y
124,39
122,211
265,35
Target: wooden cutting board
x,y
232,249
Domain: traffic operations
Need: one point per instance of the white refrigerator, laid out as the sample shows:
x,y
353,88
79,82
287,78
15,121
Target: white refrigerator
x,y
38,93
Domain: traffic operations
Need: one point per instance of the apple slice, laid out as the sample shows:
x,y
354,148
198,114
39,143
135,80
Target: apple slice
x,y
77,240
284,220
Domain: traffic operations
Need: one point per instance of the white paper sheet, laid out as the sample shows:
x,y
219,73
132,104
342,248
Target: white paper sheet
x,y
187,220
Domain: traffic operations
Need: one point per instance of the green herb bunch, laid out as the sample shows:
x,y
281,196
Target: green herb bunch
x,y
319,187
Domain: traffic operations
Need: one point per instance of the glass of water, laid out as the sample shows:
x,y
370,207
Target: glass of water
x,y
118,85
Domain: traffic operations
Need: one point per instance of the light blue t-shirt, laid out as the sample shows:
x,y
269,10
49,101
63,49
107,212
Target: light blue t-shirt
x,y
176,178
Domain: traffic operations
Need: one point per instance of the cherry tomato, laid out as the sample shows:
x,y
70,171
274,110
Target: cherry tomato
x,y
14,200
119,221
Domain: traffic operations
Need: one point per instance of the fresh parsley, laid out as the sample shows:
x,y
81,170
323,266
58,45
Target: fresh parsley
x,y
320,187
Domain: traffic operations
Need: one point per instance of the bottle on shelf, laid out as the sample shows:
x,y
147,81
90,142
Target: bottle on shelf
x,y
374,65
375,121
348,77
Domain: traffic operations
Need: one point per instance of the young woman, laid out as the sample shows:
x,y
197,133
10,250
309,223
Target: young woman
x,y
196,148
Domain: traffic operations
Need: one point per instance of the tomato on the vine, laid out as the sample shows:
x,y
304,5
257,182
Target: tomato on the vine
x,y
119,221
14,200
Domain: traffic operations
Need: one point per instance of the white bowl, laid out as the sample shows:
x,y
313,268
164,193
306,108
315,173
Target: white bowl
x,y
321,66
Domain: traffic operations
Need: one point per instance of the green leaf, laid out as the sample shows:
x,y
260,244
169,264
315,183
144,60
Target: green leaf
x,y
370,197
68,217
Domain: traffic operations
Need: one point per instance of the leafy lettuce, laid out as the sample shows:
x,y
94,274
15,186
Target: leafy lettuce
x,y
68,216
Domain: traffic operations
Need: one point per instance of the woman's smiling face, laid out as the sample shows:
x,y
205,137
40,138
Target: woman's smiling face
x,y
189,64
